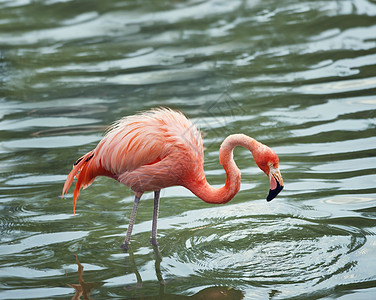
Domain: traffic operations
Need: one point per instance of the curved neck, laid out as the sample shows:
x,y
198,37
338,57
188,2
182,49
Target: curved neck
x,y
202,189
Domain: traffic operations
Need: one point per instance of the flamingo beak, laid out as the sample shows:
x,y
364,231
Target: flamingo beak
x,y
276,184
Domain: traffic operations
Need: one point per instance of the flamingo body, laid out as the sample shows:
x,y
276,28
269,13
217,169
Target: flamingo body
x,y
161,148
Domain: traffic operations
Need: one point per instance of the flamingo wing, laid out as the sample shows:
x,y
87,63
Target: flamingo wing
x,y
146,139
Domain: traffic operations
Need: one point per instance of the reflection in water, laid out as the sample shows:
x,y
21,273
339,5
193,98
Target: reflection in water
x,y
209,293
83,288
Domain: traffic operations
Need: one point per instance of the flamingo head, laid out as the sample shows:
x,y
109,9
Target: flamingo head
x,y
267,160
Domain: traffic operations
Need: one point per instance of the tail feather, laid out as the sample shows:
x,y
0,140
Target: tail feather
x,y
83,171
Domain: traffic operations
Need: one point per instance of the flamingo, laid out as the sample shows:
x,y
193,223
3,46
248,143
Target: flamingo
x,y
159,148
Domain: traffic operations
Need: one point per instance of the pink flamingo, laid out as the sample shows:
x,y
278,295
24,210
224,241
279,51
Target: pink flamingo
x,y
161,148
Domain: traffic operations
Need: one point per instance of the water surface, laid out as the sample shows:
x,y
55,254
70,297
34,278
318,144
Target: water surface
x,y
297,75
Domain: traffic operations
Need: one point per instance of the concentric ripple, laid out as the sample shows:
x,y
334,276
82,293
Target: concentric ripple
x,y
265,249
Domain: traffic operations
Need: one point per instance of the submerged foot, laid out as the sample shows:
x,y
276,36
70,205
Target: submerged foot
x,y
125,247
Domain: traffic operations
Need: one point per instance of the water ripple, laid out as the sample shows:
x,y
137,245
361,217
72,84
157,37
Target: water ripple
x,y
265,249
40,240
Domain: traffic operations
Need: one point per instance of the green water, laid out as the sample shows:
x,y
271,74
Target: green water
x,y
300,76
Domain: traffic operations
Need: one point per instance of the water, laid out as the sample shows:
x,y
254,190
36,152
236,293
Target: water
x,y
297,75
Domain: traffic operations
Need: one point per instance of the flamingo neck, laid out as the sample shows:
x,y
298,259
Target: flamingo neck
x,y
202,189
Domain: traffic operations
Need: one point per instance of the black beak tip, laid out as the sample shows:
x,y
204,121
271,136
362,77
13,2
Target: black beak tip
x,y
273,193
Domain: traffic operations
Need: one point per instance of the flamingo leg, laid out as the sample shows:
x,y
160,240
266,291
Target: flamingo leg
x,y
155,218
127,240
